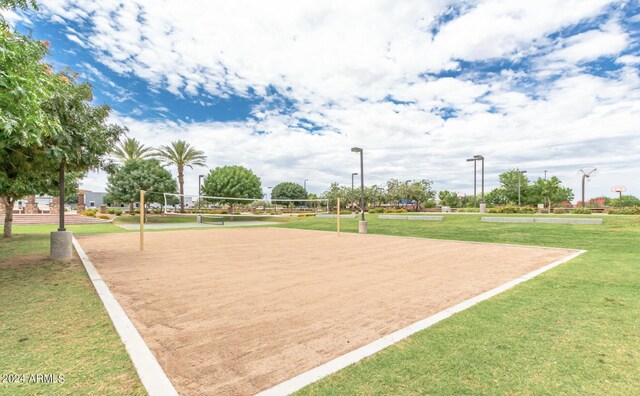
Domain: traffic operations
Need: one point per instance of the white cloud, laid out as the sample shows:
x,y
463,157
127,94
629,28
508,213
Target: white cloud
x,y
592,45
338,61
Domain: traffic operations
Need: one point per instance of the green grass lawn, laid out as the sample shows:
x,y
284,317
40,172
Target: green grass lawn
x,y
52,322
572,330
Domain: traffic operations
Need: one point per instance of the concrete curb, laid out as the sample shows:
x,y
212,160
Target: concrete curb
x,y
153,378
298,382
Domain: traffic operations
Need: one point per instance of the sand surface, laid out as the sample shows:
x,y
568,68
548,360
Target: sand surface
x,y
237,311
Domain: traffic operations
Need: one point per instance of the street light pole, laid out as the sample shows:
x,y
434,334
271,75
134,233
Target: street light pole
x,y
362,228
352,175
474,159
200,177
478,157
520,174
305,185
584,176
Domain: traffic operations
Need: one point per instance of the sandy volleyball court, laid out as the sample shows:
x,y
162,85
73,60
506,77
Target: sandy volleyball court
x,y
236,311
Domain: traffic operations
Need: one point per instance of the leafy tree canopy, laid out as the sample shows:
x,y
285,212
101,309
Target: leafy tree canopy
x,y
509,185
627,200
420,192
124,185
449,198
288,190
232,181
551,191
497,196
26,83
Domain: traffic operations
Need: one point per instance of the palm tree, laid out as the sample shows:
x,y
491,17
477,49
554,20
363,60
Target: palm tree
x,y
181,154
130,149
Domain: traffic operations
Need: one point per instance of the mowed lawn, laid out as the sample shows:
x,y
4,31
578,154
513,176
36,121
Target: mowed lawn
x,y
52,322
572,330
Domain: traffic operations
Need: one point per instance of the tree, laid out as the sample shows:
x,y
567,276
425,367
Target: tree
x,y
232,181
497,196
420,192
81,144
26,82
334,192
130,149
396,191
374,195
509,185
627,200
552,191
449,198
124,185
288,190
181,154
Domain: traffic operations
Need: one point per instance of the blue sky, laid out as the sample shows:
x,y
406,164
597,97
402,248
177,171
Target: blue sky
x,y
287,88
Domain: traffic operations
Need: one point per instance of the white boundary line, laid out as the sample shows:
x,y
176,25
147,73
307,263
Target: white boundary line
x,y
151,374
298,382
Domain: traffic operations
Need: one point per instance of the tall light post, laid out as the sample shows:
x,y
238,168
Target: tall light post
x,y
520,174
478,157
545,175
474,178
352,175
587,174
305,185
200,177
362,226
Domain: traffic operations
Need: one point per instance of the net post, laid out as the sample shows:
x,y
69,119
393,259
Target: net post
x,y
141,220
338,217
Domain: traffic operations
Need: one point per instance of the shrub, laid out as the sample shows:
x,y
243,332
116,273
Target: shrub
x,y
89,212
581,211
634,210
512,210
376,210
104,217
560,210
111,211
392,210
117,212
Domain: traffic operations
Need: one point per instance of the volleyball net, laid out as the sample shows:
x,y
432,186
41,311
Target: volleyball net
x,y
204,204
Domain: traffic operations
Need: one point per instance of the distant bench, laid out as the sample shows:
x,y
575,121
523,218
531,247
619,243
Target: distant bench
x,y
546,220
332,216
401,217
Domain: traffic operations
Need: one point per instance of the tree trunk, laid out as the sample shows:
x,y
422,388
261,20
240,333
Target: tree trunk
x,y
8,216
549,209
181,183
131,212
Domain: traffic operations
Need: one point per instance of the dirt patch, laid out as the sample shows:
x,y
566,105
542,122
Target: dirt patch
x,y
237,311
22,260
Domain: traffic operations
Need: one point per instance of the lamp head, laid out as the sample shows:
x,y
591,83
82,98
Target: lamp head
x,y
354,174
471,159
356,150
478,157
